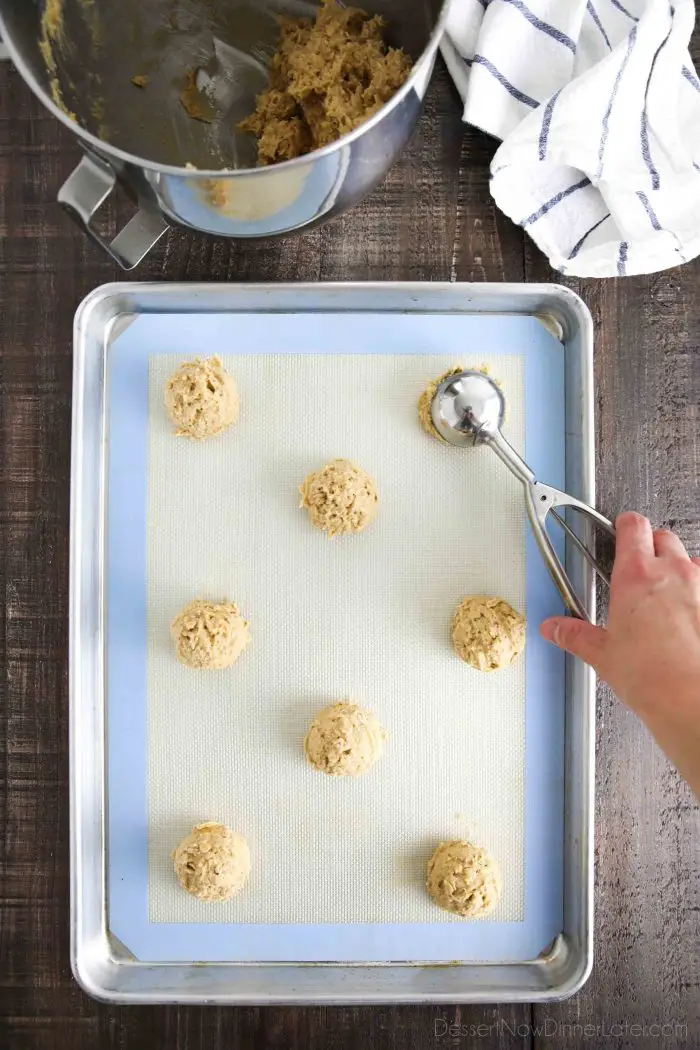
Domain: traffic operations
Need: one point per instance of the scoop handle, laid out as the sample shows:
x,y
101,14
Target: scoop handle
x,y
551,558
548,499
505,452
540,500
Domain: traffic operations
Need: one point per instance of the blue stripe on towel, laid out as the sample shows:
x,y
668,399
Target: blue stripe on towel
x,y
622,259
646,151
579,244
644,127
594,15
553,201
546,123
606,119
479,60
656,225
691,78
618,5
543,27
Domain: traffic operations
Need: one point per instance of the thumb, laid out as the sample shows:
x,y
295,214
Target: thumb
x,y
577,637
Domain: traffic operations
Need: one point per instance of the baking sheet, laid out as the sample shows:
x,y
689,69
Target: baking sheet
x,y
366,617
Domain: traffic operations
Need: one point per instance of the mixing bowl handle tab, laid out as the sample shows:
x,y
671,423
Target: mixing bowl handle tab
x,y
83,194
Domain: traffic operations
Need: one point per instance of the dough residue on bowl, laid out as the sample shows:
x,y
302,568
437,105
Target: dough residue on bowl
x,y
327,77
487,633
464,879
52,42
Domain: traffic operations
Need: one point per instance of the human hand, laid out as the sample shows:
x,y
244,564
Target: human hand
x,y
649,650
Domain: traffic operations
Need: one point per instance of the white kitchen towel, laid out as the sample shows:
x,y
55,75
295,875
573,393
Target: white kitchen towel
x,y
598,106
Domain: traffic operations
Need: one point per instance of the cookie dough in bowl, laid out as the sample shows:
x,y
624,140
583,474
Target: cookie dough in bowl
x,y
487,633
341,498
344,740
210,635
326,78
212,862
201,398
464,879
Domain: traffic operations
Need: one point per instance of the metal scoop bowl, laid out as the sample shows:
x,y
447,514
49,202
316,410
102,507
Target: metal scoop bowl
x,y
468,409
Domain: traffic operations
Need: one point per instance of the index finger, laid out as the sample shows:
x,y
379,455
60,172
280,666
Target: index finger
x,y
634,540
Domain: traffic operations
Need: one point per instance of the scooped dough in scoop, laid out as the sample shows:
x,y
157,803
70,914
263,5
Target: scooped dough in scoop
x,y
426,399
201,398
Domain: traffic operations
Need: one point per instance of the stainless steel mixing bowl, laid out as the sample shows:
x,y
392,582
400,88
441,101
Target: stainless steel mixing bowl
x,y
145,141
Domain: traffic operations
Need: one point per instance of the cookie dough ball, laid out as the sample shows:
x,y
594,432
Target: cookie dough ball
x,y
488,633
464,879
210,636
340,498
344,740
426,399
213,862
201,398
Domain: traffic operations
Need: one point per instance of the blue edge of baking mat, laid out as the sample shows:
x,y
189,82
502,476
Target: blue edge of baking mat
x,y
442,334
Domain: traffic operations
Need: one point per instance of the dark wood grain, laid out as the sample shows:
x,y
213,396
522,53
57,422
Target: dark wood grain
x,y
432,219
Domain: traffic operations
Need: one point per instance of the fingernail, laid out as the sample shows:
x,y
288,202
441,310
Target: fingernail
x,y
550,631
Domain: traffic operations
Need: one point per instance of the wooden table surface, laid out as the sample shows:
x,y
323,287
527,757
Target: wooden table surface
x,y
431,220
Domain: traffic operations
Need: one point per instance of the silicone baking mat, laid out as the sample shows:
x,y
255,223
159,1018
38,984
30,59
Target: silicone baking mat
x,y
338,865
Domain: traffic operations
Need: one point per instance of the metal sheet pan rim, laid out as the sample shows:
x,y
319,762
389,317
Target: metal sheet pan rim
x,y
102,967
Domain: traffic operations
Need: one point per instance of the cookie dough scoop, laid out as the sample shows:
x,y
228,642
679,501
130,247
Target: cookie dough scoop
x,y
468,409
